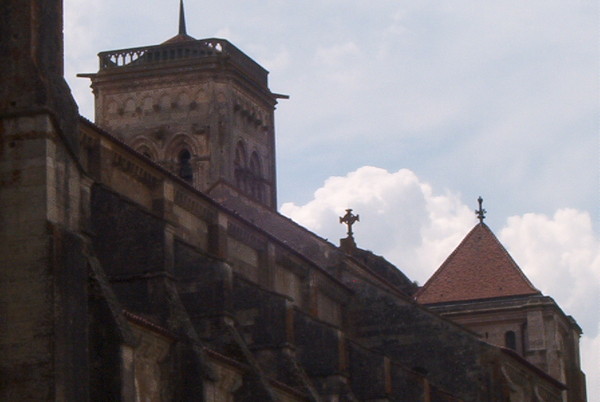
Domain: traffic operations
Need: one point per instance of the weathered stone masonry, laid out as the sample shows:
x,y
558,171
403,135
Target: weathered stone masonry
x,y
142,258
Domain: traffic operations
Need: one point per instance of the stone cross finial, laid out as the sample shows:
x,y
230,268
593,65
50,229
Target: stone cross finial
x,y
480,212
349,219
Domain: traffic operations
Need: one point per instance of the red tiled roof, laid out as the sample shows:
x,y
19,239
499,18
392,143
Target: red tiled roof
x,y
479,268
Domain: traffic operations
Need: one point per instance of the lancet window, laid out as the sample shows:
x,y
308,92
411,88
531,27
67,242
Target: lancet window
x,y
256,185
185,165
239,163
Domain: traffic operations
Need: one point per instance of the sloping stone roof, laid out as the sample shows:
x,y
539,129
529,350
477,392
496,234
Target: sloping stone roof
x,y
479,268
180,38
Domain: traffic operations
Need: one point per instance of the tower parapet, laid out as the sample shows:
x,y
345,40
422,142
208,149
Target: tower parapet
x,y
201,50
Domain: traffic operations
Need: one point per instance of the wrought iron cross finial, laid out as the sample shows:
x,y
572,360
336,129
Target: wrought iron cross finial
x,y
480,212
349,219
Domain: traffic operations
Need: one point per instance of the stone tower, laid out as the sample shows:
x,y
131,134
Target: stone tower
x,y
43,277
200,108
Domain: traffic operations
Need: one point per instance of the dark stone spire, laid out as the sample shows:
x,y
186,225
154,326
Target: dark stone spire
x,y
182,35
182,30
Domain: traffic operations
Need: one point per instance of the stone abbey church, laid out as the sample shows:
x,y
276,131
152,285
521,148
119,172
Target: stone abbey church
x,y
142,257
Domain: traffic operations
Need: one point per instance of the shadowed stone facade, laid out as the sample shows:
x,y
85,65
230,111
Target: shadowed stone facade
x,y
131,270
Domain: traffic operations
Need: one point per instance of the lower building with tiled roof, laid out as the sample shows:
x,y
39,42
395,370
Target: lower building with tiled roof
x,y
481,287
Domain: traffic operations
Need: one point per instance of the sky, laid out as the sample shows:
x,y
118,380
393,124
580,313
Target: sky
x,y
407,111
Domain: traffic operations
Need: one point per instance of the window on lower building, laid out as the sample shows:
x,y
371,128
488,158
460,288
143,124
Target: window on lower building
x,y
510,340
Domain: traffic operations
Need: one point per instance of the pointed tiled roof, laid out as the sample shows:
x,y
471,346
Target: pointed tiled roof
x,y
479,268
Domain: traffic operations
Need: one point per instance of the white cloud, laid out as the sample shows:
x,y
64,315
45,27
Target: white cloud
x,y
416,228
561,255
590,351
401,217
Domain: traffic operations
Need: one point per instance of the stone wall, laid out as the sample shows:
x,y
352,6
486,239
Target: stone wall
x,y
43,276
120,280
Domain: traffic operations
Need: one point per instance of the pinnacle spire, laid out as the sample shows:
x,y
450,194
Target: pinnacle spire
x,y
480,212
182,35
182,30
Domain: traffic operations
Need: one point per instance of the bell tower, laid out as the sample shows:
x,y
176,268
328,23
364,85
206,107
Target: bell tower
x,y
200,108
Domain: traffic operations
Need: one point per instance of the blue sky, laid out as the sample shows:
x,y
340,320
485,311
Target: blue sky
x,y
407,112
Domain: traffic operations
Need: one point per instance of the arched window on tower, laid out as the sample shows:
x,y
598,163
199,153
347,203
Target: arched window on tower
x,y
185,165
239,166
256,186
510,340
